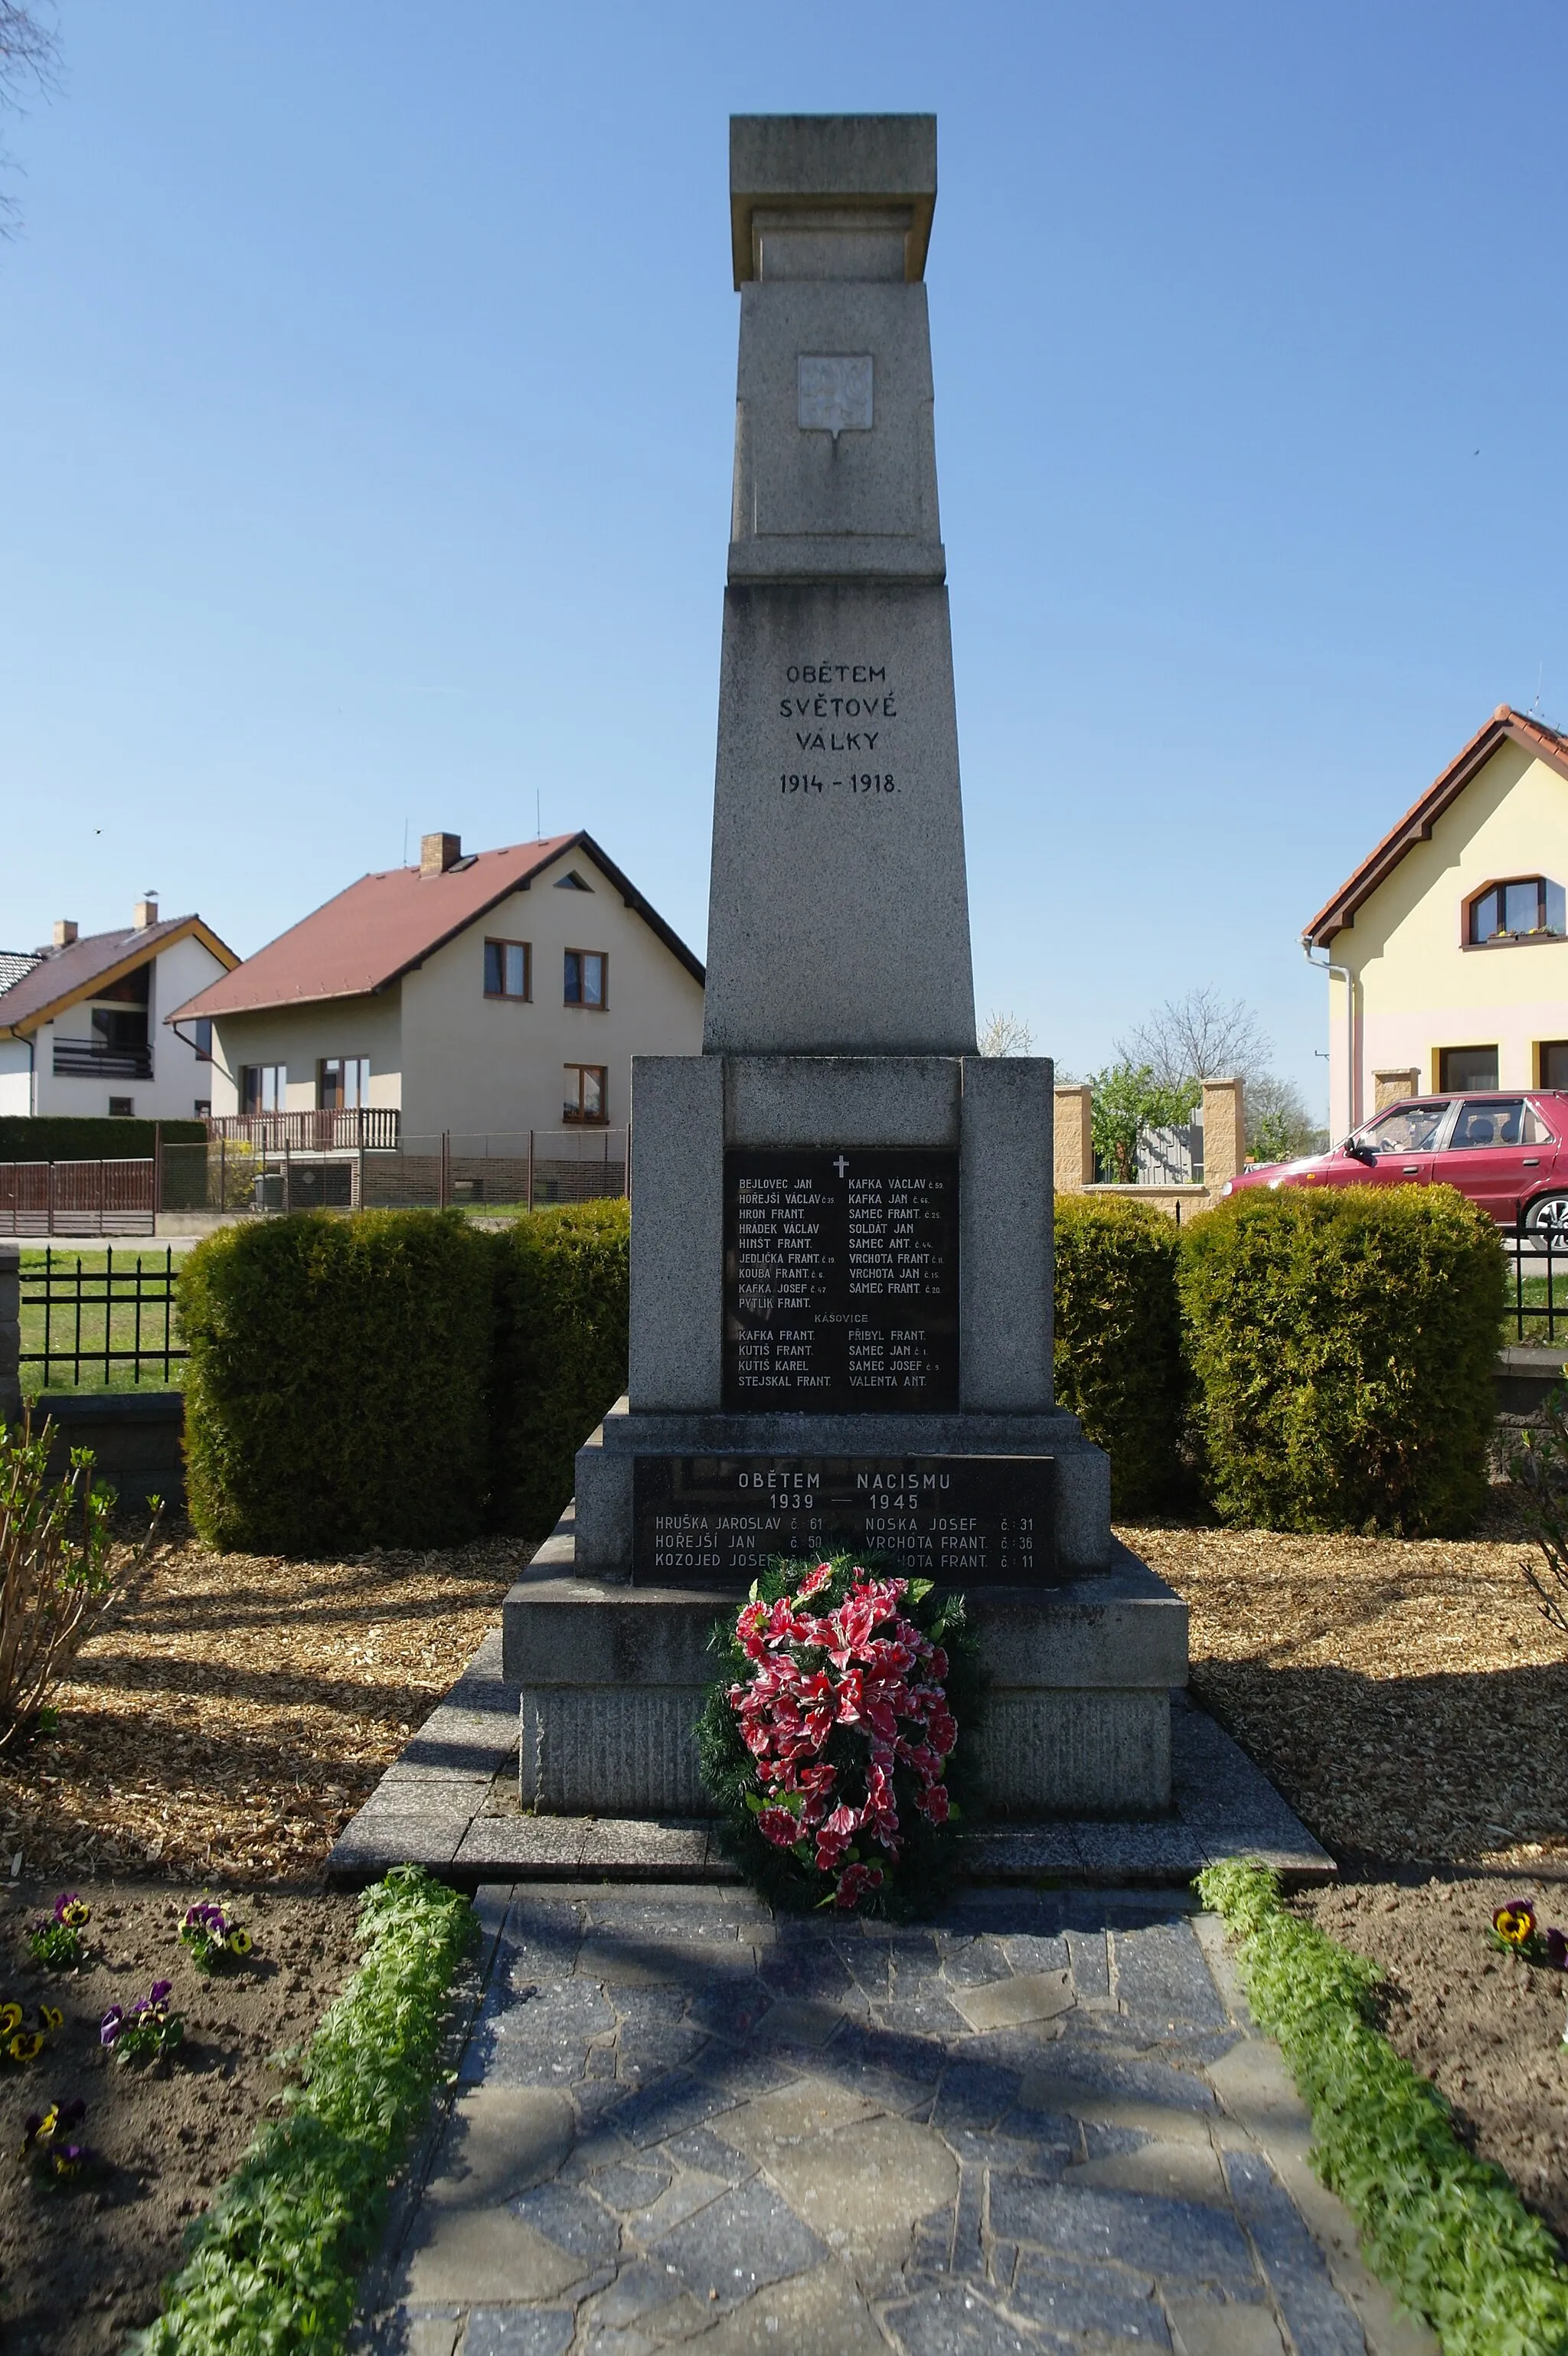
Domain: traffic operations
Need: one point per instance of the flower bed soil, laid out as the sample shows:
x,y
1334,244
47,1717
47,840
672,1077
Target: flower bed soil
x,y
1410,1702
1485,2027
232,1715
81,2266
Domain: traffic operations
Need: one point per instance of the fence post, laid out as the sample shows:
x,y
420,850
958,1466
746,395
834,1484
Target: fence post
x,y
443,1178
1224,1134
10,1332
157,1172
1074,1148
51,1198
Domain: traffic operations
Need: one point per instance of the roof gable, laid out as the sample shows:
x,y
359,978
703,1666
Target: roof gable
x,y
386,925
1543,743
60,979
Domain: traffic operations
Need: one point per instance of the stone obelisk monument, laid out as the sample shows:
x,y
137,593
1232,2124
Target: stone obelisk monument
x,y
841,1214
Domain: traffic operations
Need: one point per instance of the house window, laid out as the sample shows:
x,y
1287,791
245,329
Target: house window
x,y
1460,1069
1528,908
202,1026
122,1107
1553,1064
263,1087
345,1083
587,978
119,1030
204,1107
583,1097
506,970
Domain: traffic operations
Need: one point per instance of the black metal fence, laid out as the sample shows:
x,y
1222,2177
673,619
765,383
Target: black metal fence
x,y
1537,1288
81,1320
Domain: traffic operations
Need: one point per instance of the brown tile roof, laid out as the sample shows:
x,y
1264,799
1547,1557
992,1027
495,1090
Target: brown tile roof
x,y
1419,819
385,926
64,976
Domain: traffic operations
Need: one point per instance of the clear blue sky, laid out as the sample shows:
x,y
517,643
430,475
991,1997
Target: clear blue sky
x,y
366,397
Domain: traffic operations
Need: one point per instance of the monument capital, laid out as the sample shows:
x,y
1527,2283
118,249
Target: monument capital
x,y
831,195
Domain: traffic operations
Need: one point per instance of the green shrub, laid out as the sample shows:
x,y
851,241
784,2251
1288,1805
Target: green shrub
x,y
1445,2231
1118,1341
337,1384
275,2266
1343,1346
563,1293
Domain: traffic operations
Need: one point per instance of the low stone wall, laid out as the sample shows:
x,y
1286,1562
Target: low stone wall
x,y
136,1439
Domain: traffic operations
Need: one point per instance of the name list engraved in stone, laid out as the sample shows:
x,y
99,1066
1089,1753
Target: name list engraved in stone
x,y
962,1521
841,1278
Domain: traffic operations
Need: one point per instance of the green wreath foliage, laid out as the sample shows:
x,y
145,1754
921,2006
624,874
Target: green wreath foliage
x,y
789,1878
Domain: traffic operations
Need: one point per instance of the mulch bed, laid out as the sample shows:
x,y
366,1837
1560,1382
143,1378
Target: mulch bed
x,y
231,1715
81,2265
1411,1703
1405,1696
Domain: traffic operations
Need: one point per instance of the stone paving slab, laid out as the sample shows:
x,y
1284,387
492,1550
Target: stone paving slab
x,y
1043,2123
449,1802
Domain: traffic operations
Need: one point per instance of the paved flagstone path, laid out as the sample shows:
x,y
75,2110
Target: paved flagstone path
x,y
1043,2124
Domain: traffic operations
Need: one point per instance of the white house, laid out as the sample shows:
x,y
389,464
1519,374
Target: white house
x,y
478,994
81,1022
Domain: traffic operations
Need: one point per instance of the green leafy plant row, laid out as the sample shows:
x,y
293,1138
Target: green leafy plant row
x,y
273,2267
1446,2232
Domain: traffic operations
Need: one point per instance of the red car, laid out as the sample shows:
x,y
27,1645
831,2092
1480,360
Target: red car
x,y
1510,1153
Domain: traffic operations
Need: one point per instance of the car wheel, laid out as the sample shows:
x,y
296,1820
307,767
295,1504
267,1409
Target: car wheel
x,y
1549,1217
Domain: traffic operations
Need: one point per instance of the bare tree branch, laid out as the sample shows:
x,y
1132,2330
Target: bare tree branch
x,y
29,68
1200,1037
1005,1035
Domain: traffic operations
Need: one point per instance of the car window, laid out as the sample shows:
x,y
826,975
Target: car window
x,y
1535,1131
1407,1128
1492,1120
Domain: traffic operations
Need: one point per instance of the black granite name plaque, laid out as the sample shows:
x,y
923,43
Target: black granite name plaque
x,y
963,1521
841,1278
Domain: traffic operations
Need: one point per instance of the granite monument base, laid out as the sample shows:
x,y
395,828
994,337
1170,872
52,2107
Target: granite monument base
x,y
1077,1720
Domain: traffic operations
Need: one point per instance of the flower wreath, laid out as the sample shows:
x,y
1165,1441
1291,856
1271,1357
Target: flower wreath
x,y
830,1738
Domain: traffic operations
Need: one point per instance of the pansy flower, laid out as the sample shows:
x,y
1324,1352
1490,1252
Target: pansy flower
x,y
1514,1924
27,2045
72,1909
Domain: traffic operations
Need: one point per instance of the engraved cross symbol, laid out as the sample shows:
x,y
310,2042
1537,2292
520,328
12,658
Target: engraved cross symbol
x,y
841,1165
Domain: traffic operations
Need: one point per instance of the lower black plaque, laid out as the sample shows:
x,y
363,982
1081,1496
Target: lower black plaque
x,y
841,1278
963,1521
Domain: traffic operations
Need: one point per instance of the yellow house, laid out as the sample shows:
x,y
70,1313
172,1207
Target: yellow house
x,y
1447,949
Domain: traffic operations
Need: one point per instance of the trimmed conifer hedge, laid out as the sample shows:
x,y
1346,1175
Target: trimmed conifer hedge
x,y
337,1393
89,1137
1118,1347
562,1295
1343,1343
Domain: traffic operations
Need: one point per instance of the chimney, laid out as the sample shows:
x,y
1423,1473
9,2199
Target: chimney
x,y
146,912
438,852
65,932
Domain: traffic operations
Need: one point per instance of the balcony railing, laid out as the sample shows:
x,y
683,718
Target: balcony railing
x,y
91,1059
369,1128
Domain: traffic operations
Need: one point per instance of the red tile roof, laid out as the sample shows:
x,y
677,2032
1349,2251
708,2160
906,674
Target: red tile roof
x,y
1419,819
64,976
385,926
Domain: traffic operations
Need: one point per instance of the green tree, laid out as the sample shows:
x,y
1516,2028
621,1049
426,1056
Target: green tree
x,y
1127,1099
